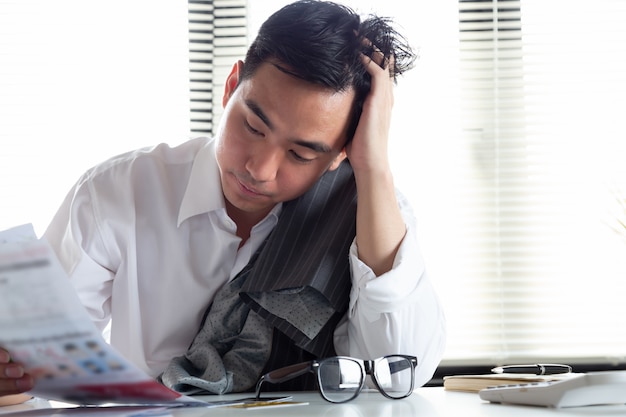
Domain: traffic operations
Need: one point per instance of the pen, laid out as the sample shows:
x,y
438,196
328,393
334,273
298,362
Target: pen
x,y
536,369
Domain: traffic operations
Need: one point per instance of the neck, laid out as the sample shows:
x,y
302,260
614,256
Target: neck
x,y
244,220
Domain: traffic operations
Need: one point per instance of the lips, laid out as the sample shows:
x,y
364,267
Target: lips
x,y
248,189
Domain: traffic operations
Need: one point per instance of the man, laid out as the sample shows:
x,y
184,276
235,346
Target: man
x,y
152,237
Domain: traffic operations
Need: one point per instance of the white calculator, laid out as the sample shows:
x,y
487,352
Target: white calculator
x,y
592,388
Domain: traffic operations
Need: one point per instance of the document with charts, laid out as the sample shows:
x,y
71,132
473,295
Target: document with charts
x,y
44,326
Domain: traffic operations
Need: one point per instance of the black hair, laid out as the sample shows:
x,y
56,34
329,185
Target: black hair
x,y
321,42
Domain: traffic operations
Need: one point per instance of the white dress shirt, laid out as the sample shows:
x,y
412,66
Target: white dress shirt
x,y
147,243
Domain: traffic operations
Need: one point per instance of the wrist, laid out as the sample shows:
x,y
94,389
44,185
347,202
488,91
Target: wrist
x,y
374,177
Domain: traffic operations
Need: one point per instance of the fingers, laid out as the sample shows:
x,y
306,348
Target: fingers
x,y
376,55
13,399
379,57
381,72
13,379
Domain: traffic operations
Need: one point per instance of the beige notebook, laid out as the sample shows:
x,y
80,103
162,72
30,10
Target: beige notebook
x,y
474,383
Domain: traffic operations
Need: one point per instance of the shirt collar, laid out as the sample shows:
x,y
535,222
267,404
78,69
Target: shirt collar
x,y
204,190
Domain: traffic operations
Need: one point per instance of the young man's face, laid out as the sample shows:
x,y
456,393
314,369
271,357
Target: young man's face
x,y
278,135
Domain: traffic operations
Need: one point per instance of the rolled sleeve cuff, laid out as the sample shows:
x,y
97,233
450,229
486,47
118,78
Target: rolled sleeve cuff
x,y
390,291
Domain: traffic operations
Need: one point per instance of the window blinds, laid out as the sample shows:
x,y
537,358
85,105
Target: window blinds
x,y
541,187
217,37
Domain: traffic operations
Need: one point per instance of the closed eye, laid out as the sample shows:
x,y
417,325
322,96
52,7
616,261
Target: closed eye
x,y
252,129
299,158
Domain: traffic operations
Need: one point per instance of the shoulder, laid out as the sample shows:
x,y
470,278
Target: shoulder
x,y
147,160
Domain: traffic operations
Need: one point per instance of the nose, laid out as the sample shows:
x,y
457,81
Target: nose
x,y
263,163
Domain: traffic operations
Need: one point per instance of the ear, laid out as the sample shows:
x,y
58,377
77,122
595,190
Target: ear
x,y
231,82
338,160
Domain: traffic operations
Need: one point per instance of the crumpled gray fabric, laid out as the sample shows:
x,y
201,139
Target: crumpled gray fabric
x,y
229,352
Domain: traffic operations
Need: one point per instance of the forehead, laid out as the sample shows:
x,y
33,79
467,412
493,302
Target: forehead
x,y
297,107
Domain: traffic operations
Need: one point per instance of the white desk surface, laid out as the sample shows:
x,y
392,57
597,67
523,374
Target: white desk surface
x,y
425,402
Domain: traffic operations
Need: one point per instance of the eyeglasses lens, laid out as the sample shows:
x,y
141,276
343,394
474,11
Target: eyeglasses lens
x,y
394,375
340,379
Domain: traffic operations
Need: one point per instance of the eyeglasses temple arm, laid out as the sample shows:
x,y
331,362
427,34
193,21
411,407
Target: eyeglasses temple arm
x,y
283,374
288,372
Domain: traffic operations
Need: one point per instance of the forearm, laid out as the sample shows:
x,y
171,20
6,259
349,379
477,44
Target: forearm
x,y
380,227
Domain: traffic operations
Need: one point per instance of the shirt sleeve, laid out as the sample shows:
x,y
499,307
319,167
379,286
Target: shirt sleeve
x,y
74,234
396,312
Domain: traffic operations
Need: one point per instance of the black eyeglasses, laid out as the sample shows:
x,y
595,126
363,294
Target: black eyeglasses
x,y
341,378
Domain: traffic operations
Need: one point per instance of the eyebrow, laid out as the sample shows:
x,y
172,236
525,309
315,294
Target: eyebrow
x,y
256,109
313,145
